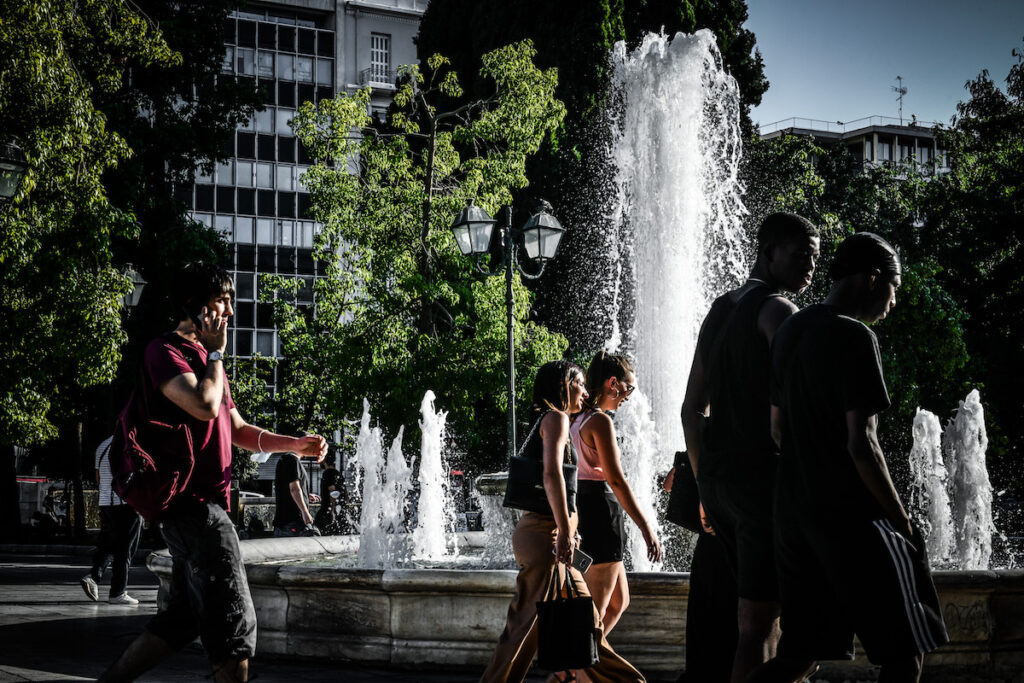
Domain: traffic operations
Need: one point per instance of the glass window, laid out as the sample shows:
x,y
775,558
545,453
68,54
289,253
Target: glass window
x,y
284,67
243,176
203,218
203,178
265,64
300,172
324,71
225,226
246,61
304,69
243,229
287,237
265,120
285,178
243,342
285,39
265,343
264,175
283,117
249,124
225,173
307,234
244,289
380,57
228,63
265,231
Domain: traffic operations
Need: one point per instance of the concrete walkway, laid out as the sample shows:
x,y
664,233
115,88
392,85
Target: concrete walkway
x,y
50,630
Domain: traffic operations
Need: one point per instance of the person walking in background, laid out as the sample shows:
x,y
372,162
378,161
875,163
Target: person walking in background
x,y
291,494
558,390
603,492
849,559
725,416
120,529
185,384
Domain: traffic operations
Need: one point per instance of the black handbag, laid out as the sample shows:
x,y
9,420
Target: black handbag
x,y
566,634
524,487
683,500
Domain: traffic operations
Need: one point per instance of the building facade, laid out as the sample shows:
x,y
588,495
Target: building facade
x,y
874,141
295,51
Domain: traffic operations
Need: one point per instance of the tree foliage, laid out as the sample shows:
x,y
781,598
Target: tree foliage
x,y
399,309
61,296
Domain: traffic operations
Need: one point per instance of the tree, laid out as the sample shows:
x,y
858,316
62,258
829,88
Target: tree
x,y
975,222
61,295
399,310
573,171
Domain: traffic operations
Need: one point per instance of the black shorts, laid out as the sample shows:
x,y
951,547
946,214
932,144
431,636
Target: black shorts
x,y
209,593
740,512
601,523
840,577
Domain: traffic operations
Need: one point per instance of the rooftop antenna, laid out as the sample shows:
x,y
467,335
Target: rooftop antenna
x,y
902,90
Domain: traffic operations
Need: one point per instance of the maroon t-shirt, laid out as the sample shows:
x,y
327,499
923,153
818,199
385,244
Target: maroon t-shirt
x,y
167,357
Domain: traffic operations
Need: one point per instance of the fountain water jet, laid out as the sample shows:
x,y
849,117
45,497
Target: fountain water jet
x,y
676,144
435,519
928,488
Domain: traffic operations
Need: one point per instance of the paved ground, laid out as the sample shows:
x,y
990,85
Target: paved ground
x,y
50,631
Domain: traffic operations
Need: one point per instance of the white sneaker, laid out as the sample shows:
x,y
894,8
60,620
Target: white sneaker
x,y
90,587
122,599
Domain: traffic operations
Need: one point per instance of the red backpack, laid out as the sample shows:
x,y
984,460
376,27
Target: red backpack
x,y
151,460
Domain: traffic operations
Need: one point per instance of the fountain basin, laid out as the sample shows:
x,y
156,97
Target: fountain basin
x,y
451,618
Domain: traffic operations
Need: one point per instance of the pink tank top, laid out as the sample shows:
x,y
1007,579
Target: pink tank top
x,y
589,464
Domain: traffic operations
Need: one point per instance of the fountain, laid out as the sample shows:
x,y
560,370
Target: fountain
x,y
677,148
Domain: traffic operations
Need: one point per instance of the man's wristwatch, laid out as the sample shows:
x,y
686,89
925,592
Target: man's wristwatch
x,y
214,355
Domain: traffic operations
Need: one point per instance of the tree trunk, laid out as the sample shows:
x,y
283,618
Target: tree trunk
x,y
79,495
10,515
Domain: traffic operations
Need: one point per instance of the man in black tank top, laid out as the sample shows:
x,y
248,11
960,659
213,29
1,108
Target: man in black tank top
x,y
726,422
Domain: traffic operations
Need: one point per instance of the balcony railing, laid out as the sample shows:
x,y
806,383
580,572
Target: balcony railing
x,y
378,76
844,126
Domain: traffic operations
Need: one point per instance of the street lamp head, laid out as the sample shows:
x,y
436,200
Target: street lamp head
x,y
541,234
472,229
12,169
132,298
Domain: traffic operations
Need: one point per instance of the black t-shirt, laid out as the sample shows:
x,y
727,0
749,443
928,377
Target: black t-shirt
x,y
289,469
736,361
823,365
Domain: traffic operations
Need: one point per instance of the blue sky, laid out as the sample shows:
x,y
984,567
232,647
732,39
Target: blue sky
x,y
833,60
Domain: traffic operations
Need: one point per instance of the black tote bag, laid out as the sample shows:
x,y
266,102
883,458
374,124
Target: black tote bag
x,y
566,636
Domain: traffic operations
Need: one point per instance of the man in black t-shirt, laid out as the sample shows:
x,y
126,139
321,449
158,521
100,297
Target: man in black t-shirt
x,y
291,492
848,558
726,423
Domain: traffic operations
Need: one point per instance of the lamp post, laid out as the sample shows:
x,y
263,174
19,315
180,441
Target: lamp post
x,y
539,235
12,169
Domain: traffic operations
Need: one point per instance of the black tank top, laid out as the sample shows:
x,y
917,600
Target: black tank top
x,y
737,365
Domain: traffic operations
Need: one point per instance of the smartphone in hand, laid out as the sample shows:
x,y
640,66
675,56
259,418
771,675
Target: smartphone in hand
x,y
581,561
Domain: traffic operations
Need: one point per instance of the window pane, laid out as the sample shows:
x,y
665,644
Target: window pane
x,y
203,178
248,124
264,175
283,117
225,173
266,64
246,61
304,69
243,229
284,67
300,171
244,289
265,343
265,231
307,234
228,63
285,179
287,238
243,342
324,71
203,218
265,120
243,177
225,227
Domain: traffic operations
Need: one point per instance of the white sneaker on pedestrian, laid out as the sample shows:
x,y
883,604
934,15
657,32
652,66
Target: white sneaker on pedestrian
x,y
90,587
122,599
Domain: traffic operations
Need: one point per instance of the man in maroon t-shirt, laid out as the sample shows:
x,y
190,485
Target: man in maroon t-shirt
x,y
209,594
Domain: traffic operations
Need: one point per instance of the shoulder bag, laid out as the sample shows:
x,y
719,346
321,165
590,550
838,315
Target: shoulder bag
x,y
566,634
524,488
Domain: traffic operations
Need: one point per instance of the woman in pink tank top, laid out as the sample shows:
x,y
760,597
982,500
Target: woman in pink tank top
x,y
603,492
